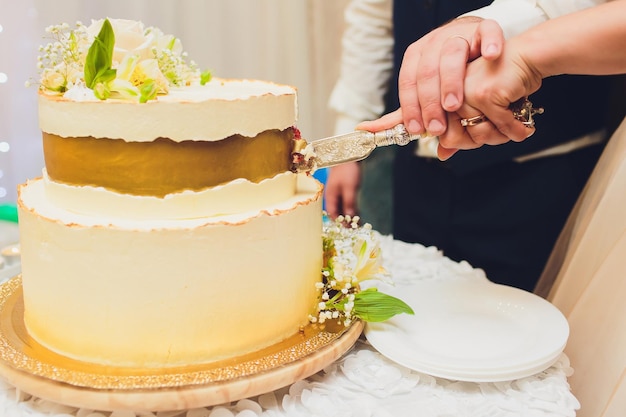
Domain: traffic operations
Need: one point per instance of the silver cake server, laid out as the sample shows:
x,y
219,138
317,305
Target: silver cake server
x,y
358,145
349,147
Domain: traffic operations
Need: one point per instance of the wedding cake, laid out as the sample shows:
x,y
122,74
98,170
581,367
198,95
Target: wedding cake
x,y
167,228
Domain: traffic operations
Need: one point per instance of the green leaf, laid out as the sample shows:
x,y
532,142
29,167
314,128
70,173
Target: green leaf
x,y
105,75
100,57
374,306
148,91
363,249
124,89
73,43
205,77
101,91
171,44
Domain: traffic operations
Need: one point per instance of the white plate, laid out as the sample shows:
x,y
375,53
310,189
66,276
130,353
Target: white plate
x,y
471,331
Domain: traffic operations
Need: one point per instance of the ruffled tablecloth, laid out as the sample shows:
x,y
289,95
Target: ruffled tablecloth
x,y
364,383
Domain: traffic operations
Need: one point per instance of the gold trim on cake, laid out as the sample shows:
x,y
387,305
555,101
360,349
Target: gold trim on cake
x,y
164,166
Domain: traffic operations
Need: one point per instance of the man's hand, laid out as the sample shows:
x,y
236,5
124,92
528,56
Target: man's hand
x,y
433,69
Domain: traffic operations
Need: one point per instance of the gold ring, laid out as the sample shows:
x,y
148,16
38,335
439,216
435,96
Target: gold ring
x,y
473,121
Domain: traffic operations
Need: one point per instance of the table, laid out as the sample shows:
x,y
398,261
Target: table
x,y
364,383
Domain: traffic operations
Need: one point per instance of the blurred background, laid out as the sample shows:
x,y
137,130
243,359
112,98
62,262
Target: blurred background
x,y
295,42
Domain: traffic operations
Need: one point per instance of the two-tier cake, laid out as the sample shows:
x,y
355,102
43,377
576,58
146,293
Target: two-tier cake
x,y
167,228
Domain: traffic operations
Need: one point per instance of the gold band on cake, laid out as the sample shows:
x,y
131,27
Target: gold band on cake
x,y
163,166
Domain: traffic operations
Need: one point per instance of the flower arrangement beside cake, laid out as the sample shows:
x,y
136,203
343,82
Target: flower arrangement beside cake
x,y
352,255
167,228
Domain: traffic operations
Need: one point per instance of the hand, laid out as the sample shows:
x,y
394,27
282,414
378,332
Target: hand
x,y
485,90
390,120
433,68
341,189
490,88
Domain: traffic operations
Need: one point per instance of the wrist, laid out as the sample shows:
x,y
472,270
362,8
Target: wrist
x,y
514,17
536,57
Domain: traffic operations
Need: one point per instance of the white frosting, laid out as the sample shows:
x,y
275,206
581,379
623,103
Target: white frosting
x,y
166,292
33,195
219,109
80,92
235,197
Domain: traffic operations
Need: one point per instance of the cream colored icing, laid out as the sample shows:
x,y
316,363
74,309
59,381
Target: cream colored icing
x,y
235,197
219,109
157,293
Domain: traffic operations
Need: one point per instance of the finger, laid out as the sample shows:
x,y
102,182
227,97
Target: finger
x,y
507,125
490,37
456,136
471,136
332,201
444,153
387,121
349,200
333,189
485,133
429,93
453,61
407,90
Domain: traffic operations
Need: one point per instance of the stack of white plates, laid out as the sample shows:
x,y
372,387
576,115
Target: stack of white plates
x,y
471,331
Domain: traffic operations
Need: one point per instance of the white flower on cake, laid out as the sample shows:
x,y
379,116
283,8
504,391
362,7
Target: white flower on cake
x,y
352,255
115,58
131,38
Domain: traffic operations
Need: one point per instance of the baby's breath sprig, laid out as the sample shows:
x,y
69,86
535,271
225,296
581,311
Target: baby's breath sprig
x,y
352,255
60,62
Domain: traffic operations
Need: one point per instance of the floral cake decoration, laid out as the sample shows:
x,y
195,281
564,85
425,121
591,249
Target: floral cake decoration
x,y
115,58
352,255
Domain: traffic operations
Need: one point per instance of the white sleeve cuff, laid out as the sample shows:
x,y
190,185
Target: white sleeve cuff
x,y
514,16
345,124
353,104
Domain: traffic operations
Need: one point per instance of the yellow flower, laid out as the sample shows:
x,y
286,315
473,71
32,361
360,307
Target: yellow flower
x,y
127,66
53,80
125,89
149,70
368,263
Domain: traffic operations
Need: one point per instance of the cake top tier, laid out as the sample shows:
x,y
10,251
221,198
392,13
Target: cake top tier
x,y
212,112
118,79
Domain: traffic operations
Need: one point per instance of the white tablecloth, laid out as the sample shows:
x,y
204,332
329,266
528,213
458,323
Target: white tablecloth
x,y
363,383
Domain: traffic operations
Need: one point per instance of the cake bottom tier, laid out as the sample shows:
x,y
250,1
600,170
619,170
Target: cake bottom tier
x,y
141,294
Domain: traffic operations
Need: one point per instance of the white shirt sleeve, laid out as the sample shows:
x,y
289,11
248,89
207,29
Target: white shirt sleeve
x,y
366,63
516,16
